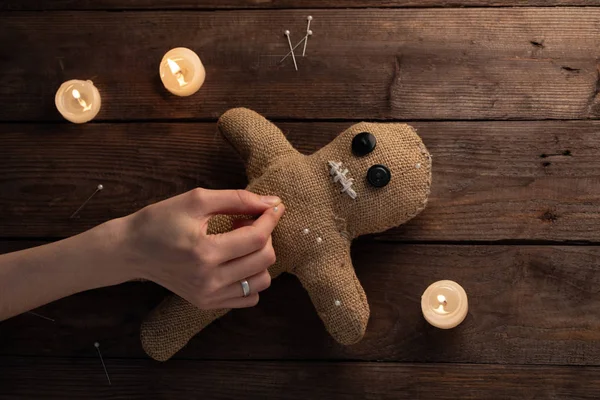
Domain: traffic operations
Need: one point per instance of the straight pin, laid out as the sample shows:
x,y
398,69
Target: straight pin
x,y
309,33
40,316
97,346
99,188
287,33
309,18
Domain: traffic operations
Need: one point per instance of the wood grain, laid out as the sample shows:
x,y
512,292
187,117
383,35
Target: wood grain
x,y
492,180
142,379
268,4
527,305
441,64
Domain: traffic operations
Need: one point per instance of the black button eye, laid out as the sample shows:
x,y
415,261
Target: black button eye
x,y
363,144
379,175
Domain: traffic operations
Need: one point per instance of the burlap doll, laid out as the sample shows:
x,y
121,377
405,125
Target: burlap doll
x,y
372,177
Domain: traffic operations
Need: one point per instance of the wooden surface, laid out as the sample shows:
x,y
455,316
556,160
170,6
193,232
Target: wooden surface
x,y
492,180
276,4
505,98
143,379
423,64
510,289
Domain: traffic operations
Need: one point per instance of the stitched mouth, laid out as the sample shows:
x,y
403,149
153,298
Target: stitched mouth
x,y
339,175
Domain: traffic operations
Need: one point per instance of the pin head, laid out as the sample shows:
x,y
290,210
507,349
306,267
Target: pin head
x,y
96,344
286,32
309,33
309,18
100,187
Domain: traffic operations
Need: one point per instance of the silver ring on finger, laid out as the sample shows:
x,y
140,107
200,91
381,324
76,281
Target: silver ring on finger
x,y
245,287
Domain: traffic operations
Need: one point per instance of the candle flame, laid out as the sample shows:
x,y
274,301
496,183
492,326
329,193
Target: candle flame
x,y
173,66
82,102
442,304
176,70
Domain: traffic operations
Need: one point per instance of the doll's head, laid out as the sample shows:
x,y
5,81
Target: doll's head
x,y
391,172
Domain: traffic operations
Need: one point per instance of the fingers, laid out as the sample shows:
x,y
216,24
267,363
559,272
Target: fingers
x,y
248,239
206,202
252,264
239,302
238,223
257,283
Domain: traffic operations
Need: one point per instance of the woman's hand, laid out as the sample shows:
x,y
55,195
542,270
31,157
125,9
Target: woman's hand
x,y
168,243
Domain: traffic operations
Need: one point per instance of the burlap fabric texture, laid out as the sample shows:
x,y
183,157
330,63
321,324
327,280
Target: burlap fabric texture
x,y
319,257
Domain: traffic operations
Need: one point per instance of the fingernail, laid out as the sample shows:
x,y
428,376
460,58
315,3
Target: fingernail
x,y
271,200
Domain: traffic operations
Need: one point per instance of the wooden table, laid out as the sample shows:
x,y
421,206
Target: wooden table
x,y
506,99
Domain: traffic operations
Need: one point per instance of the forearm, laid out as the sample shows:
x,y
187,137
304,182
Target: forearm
x,y
33,277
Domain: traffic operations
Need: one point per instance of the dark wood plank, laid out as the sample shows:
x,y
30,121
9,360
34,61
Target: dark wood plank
x,y
509,63
527,305
143,379
267,4
492,180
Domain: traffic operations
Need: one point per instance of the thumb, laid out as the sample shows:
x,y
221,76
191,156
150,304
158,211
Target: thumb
x,y
205,202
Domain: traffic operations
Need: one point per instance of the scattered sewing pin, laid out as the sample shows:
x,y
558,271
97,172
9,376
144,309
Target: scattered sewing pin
x,y
305,231
309,18
40,316
99,188
276,209
287,33
97,346
319,240
304,39
337,303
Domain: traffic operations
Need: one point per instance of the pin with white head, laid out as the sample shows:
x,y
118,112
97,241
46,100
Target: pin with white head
x,y
40,316
287,33
98,189
97,346
308,33
304,39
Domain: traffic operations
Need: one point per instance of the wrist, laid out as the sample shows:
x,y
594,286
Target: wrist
x,y
113,251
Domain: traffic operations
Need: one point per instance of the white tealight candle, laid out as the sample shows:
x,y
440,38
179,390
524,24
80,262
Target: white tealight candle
x,y
182,72
78,101
444,304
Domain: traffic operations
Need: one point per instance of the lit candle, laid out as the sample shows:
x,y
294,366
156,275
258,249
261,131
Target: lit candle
x,y
78,101
182,72
444,304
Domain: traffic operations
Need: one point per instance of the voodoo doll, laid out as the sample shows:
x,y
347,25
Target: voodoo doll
x,y
372,177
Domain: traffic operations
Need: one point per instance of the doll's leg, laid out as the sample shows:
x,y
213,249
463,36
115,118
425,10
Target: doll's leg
x,y
172,324
338,297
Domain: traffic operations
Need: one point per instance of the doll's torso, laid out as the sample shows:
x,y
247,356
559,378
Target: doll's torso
x,y
309,223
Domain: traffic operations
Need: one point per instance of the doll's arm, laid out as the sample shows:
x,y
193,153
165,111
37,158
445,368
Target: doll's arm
x,y
337,295
258,141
